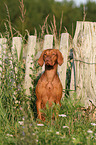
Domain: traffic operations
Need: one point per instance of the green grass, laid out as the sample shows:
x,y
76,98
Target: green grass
x,y
68,126
18,117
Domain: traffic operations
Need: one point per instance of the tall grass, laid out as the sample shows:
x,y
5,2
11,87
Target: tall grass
x,y
18,122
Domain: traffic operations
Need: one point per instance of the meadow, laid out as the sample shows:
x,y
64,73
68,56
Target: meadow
x,y
19,124
72,124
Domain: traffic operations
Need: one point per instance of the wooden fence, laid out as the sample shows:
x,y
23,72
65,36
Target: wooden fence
x,y
84,57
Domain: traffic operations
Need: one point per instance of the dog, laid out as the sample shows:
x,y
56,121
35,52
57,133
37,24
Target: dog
x,y
49,88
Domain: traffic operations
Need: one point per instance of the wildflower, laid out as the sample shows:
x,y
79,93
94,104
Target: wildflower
x,y
40,124
65,127
23,118
90,131
36,140
57,133
62,115
17,102
23,133
92,137
30,125
21,108
20,122
22,138
93,124
9,135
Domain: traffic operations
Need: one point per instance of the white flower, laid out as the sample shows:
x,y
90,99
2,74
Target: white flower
x,y
23,118
9,135
57,133
93,124
40,124
36,140
65,127
16,101
62,115
90,131
20,122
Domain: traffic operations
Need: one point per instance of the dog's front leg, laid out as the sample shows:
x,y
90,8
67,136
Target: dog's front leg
x,y
38,104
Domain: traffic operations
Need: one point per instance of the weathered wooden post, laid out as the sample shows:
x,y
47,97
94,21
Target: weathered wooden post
x,y
17,45
30,52
48,44
85,60
64,46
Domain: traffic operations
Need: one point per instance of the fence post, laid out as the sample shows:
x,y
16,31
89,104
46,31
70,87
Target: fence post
x,y
64,46
17,45
28,71
3,46
48,44
85,49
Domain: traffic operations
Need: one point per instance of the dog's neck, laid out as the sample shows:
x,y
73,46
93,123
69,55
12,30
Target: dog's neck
x,y
51,72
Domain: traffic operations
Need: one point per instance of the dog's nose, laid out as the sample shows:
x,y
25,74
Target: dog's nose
x,y
47,58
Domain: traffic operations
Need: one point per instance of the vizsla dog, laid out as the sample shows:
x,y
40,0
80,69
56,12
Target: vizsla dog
x,y
49,87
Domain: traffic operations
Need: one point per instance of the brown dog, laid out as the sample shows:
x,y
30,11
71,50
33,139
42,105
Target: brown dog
x,y
49,87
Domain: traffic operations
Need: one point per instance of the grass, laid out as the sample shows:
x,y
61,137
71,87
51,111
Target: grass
x,y
70,127
18,124
18,117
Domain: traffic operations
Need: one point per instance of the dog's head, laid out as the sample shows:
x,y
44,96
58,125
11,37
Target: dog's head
x,y
50,57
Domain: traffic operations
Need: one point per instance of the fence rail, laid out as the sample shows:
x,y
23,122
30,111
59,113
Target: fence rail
x,y
84,48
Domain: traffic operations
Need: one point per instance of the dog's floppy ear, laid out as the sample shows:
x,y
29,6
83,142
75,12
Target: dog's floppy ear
x,y
60,57
40,60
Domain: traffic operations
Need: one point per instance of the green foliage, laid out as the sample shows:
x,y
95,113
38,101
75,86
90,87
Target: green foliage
x,y
63,125
18,117
36,12
18,123
14,104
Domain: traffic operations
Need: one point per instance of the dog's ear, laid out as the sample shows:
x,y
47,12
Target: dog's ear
x,y
40,60
60,57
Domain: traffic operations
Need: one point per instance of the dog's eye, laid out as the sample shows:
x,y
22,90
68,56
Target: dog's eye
x,y
44,54
53,54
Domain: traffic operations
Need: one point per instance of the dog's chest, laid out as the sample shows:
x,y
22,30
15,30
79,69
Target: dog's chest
x,y
49,86
51,90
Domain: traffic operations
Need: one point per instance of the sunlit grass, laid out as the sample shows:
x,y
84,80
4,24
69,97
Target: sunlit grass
x,y
19,124
67,127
